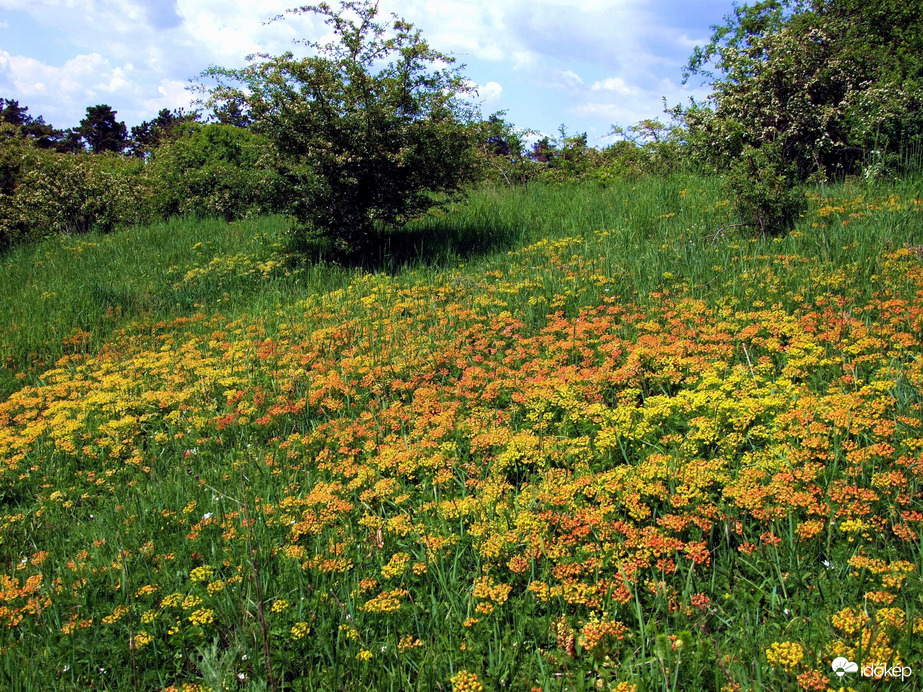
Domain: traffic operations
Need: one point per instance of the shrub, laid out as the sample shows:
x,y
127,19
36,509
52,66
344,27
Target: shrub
x,y
826,82
212,170
43,192
368,129
766,191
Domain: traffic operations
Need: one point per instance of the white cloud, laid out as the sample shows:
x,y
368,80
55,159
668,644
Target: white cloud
x,y
171,94
616,84
492,91
562,79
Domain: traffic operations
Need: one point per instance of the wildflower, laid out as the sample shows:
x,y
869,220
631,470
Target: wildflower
x,y
141,639
463,681
191,601
202,573
300,630
785,655
202,617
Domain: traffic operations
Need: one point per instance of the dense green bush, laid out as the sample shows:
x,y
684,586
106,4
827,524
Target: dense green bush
x,y
805,89
832,84
212,170
43,192
371,128
766,191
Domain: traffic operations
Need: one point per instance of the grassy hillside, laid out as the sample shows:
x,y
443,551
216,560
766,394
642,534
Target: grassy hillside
x,y
557,438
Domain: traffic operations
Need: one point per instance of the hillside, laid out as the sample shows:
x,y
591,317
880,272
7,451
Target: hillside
x,y
556,438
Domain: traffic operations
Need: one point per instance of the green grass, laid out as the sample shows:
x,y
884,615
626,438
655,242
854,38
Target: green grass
x,y
173,341
68,294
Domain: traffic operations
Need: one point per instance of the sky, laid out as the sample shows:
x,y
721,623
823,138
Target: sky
x,y
585,64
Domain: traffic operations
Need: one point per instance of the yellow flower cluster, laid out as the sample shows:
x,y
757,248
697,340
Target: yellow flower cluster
x,y
785,655
463,681
202,617
300,630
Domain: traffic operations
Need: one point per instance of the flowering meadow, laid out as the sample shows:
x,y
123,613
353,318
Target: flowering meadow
x,y
616,450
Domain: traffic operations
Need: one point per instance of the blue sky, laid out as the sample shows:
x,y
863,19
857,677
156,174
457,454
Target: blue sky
x,y
586,64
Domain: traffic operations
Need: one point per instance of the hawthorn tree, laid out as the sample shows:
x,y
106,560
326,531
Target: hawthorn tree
x,y
368,128
806,89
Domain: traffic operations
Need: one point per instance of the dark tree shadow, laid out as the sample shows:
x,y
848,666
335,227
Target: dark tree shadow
x,y
428,242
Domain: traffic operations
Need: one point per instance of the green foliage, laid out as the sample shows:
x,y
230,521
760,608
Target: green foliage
x,y
102,132
43,192
504,158
367,128
36,129
765,190
649,147
828,82
212,170
150,134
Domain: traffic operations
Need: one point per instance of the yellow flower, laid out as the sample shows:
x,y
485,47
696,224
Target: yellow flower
x,y
785,655
464,681
202,617
203,573
191,602
141,639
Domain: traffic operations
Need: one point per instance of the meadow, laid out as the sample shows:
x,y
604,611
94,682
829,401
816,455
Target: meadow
x,y
553,438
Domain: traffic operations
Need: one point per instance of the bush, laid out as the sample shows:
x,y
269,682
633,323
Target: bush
x,y
212,170
367,130
43,192
827,82
766,191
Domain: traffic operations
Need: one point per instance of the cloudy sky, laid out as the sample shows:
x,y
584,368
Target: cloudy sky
x,y
583,63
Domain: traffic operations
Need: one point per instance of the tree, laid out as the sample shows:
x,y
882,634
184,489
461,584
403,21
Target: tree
x,y
503,153
232,113
367,129
42,135
828,81
102,132
805,89
150,134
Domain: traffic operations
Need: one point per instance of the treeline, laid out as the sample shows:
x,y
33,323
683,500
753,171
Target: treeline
x,y
101,175
373,130
96,177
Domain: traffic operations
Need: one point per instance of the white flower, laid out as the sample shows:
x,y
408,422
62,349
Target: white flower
x,y
207,515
